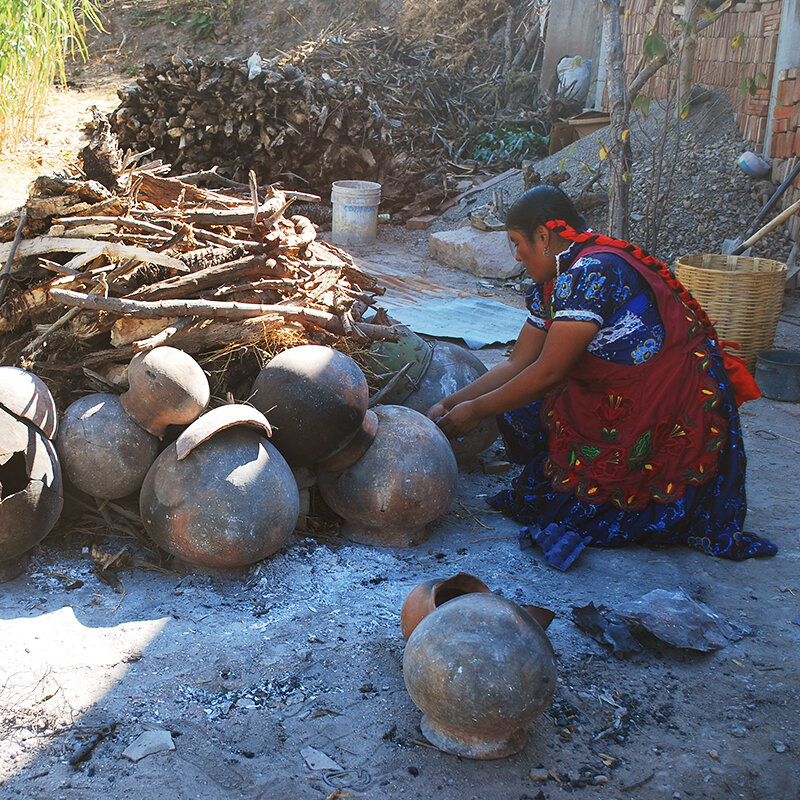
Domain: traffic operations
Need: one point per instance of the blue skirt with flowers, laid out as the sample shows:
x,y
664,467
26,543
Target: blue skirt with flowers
x,y
708,517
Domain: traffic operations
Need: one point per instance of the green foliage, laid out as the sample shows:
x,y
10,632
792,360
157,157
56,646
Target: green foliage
x,y
203,23
655,45
509,143
749,86
36,37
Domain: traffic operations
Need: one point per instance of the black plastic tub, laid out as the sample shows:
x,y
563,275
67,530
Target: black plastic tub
x,y
778,374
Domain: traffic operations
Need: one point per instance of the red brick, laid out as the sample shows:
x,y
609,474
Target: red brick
x,y
782,110
786,91
421,223
780,125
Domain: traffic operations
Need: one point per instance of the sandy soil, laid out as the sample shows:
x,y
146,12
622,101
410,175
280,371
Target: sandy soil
x,y
304,650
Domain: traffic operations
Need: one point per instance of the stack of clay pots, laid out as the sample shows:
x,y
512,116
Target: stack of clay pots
x,y
388,472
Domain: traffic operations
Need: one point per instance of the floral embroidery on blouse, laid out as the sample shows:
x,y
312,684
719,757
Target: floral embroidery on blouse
x,y
605,289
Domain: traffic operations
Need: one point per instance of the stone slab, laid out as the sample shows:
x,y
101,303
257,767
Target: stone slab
x,y
482,253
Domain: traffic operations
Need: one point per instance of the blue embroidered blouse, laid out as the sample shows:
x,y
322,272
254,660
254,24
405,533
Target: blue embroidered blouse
x,y
605,289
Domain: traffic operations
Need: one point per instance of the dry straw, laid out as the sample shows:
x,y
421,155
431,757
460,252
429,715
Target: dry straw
x,y
742,296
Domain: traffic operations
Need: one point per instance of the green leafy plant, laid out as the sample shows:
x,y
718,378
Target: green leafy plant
x,y
509,143
203,23
36,37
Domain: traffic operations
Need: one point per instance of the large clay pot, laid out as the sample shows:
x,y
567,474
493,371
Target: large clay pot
x,y
480,669
405,479
315,398
31,495
167,387
452,368
26,395
102,450
423,599
225,501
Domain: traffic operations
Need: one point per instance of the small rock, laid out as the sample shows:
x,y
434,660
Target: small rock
x,y
713,754
149,743
739,732
539,775
316,759
780,747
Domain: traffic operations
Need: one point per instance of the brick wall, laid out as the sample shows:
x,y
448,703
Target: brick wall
x,y
785,138
717,63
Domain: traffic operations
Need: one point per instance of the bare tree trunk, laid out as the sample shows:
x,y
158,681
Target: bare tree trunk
x,y
687,53
620,148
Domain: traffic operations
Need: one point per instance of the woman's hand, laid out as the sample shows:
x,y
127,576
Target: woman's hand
x,y
460,420
436,411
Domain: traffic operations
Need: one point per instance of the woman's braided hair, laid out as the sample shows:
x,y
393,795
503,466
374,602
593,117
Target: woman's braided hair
x,y
659,267
550,206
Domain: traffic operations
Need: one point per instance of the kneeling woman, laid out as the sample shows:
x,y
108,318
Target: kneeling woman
x,y
615,398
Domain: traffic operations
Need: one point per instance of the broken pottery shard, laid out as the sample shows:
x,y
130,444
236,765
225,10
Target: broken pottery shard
x,y
149,743
606,627
316,759
682,622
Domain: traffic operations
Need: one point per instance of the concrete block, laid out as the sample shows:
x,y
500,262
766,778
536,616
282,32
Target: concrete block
x,y
482,253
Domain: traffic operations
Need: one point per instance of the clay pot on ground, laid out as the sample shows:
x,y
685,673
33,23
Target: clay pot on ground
x,y
102,450
316,400
426,372
480,669
26,395
166,387
429,595
31,495
452,368
406,478
223,499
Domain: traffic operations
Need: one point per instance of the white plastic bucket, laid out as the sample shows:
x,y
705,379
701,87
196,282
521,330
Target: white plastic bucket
x,y
355,211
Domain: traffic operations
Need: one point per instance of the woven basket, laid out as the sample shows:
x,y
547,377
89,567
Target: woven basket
x,y
742,296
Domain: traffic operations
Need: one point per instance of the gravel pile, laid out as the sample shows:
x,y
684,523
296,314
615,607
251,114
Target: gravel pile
x,y
708,197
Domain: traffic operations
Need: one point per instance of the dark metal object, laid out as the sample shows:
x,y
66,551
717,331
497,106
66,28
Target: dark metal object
x,y
167,387
406,479
31,495
315,398
230,502
26,395
102,450
480,669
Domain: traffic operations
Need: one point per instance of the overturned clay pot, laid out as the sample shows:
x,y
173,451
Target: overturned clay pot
x,y
26,395
429,595
31,494
102,450
315,399
480,669
167,387
451,368
405,479
229,501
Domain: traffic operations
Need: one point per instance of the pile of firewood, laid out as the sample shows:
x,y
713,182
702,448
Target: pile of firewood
x,y
359,104
95,274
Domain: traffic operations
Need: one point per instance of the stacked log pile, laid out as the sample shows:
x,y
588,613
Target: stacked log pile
x,y
94,275
359,104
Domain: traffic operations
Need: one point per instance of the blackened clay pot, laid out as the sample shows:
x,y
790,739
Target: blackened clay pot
x,y
424,598
230,501
315,399
480,669
406,479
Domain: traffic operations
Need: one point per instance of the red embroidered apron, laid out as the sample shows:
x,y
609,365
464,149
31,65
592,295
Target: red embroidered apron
x,y
632,434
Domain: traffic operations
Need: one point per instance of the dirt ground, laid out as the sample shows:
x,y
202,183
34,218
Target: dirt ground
x,y
304,650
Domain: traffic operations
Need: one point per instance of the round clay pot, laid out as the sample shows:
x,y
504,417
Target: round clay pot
x,y
26,395
230,501
315,399
453,367
480,669
167,387
102,450
424,598
31,494
405,479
